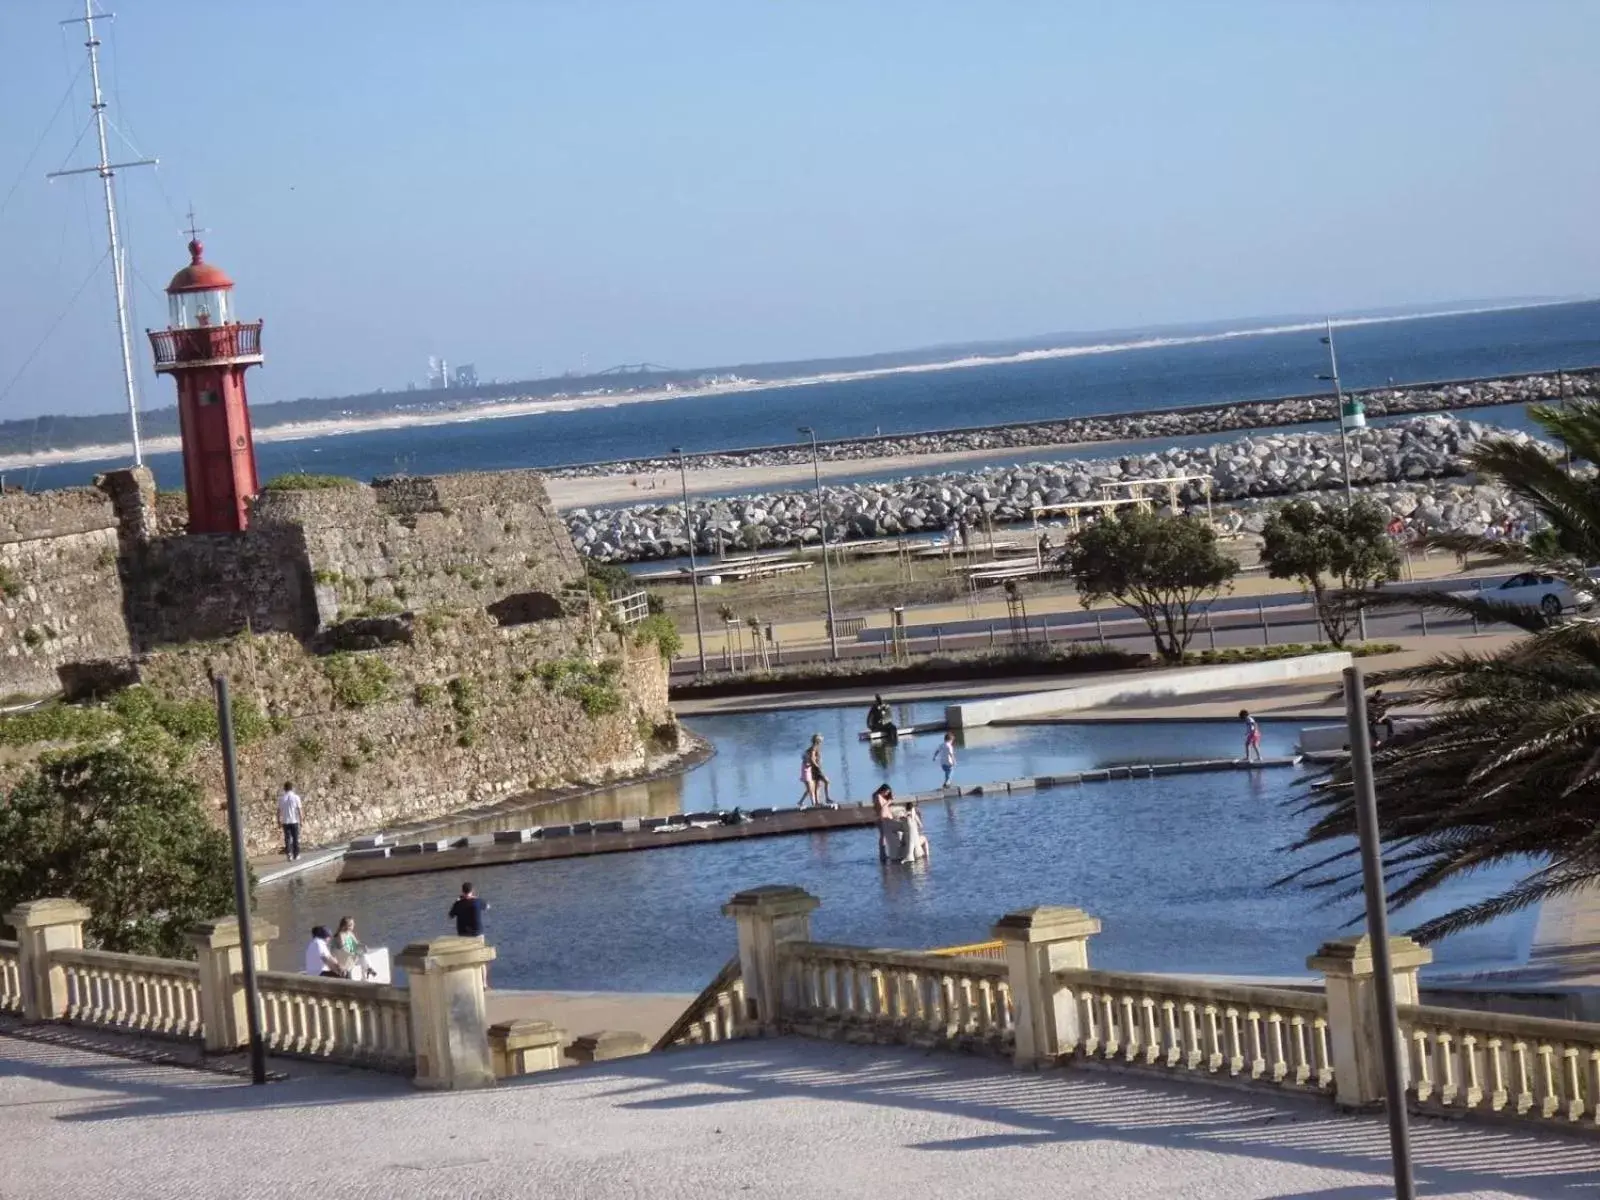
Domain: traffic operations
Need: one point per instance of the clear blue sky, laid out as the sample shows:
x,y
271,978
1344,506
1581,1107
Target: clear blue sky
x,y
533,185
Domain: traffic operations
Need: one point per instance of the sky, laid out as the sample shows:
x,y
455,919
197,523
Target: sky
x,y
545,186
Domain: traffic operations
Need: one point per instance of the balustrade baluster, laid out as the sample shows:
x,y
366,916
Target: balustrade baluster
x,y
1152,1035
1422,1085
1574,1081
1235,1040
1500,1094
947,997
1174,1039
1524,1074
1552,1084
1191,1035
1127,1029
1213,1036
1444,1052
1299,1050
1471,1074
1113,1035
1258,1055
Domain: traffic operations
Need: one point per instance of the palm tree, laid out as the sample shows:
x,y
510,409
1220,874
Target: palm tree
x,y
1507,769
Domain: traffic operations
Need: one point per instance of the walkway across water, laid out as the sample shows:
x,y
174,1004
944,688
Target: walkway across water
x,y
584,838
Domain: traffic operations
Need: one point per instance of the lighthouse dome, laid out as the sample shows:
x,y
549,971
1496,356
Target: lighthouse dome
x,y
199,276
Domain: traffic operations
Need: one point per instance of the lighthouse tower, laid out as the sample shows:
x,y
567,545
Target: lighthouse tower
x,y
208,351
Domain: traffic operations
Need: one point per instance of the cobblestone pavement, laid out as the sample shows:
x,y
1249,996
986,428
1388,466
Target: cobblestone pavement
x,y
782,1118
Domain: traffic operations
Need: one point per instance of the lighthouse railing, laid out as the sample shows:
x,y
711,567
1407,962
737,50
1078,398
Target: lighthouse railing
x,y
205,344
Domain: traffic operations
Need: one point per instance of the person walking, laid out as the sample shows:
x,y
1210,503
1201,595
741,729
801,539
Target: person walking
x,y
819,786
945,756
1252,736
289,817
467,912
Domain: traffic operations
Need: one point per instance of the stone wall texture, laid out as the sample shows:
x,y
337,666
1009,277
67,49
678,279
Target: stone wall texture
x,y
460,716
60,600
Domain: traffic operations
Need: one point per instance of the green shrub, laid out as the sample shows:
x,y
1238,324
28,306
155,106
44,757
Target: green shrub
x,y
464,702
124,836
303,481
357,680
426,695
10,583
592,685
139,715
307,749
659,629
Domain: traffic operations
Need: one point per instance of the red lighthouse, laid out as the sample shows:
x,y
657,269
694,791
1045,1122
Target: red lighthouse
x,y
208,352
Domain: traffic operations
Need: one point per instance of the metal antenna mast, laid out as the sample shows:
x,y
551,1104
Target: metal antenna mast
x,y
106,169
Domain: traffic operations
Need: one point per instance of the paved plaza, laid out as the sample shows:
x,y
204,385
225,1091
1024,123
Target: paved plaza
x,y
781,1118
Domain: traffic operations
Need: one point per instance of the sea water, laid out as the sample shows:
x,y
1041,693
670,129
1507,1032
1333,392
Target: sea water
x,y
1163,375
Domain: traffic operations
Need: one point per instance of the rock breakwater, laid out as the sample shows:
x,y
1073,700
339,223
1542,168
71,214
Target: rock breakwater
x,y
1397,463
1128,427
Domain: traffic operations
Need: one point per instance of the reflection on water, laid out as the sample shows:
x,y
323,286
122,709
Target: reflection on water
x,y
1179,869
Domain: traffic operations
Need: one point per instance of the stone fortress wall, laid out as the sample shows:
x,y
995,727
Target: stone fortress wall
x,y
432,601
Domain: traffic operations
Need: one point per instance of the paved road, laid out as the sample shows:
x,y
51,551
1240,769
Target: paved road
x,y
779,1118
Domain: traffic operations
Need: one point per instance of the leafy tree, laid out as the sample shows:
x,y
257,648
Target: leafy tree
x,y
123,835
1507,769
1164,568
1337,554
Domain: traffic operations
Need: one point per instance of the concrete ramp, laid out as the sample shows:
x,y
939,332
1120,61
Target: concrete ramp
x,y
1145,687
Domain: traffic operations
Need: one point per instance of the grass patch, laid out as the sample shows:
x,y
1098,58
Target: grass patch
x,y
135,715
358,681
304,481
592,685
1250,654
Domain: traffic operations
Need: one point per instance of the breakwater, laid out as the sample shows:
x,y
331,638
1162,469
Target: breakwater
x,y
1400,465
1130,427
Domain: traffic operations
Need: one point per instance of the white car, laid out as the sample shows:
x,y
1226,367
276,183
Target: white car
x,y
1546,593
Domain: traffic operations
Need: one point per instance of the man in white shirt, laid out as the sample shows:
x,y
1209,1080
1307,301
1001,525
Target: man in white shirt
x,y
319,955
289,818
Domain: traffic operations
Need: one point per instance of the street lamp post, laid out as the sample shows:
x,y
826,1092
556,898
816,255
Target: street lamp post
x,y
694,571
1338,400
822,521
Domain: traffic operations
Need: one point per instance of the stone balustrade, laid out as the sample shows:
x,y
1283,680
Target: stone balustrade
x,y
1498,1063
10,978
718,1014
885,995
434,1030
1255,1033
1043,1005
130,992
363,1024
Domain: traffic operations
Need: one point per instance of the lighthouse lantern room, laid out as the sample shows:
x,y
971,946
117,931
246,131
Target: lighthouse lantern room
x,y
207,350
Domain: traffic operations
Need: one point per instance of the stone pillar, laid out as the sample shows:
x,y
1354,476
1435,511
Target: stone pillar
x,y
449,1027
766,916
525,1046
1039,942
1354,1041
609,1044
43,926
220,953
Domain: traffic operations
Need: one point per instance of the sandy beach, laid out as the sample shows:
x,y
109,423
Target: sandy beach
x,y
522,407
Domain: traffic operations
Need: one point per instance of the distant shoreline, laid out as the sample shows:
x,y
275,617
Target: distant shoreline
x,y
500,410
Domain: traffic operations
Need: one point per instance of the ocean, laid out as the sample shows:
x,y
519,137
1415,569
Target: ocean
x,y
1210,369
